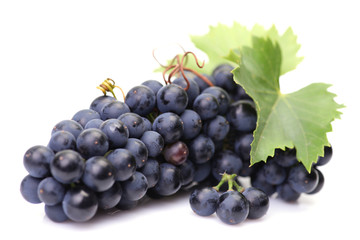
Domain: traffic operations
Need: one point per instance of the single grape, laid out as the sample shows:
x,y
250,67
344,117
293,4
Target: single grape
x,y
169,126
187,172
242,146
84,116
176,153
98,103
239,94
221,96
258,202
258,181
141,100
154,142
124,162
99,174
232,207
94,123
151,171
111,197
62,140
286,193
328,152
135,187
301,180
92,142
274,173
226,162
242,116
206,106
37,159
216,128
320,184
224,78
153,85
80,204
134,123
56,213
192,124
202,171
50,191
171,98
113,109
116,132
169,182
285,158
204,201
193,90
67,166
138,150
147,123
201,149
28,189
71,126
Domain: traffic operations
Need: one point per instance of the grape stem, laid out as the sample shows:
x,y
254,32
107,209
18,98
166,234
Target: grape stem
x,y
230,179
108,85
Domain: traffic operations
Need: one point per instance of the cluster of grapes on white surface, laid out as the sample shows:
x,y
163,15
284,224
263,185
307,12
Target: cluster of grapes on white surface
x,y
187,133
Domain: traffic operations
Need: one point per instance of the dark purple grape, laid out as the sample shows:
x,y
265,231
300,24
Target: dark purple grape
x,y
135,187
95,123
232,207
80,204
224,78
84,116
176,153
153,85
171,98
216,128
204,201
37,159
328,152
202,171
134,123
141,100
285,158
169,126
206,106
151,171
113,109
138,150
301,180
92,142
242,116
56,213
170,180
71,126
124,162
258,181
226,162
192,92
28,188
286,193
116,132
111,197
99,174
98,103
154,143
258,202
187,172
274,173
50,191
242,146
201,83
320,184
201,149
221,96
67,166
62,140
192,124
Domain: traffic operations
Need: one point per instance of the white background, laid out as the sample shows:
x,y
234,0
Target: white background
x,y
54,53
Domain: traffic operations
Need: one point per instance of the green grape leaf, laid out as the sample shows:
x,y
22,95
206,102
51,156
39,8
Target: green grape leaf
x,y
221,39
300,119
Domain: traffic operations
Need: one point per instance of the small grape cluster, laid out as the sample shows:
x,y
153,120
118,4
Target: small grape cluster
x,y
232,206
284,175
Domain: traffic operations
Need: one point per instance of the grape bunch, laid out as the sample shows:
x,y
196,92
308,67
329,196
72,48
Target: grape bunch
x,y
161,139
